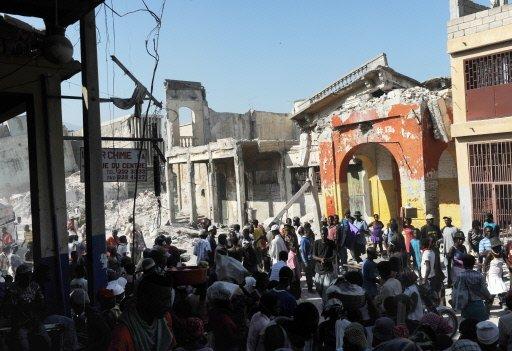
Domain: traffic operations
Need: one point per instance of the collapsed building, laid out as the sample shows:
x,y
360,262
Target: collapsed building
x,y
14,173
229,167
383,144
127,129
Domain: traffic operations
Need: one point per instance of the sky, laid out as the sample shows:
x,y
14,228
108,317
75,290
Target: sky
x,y
261,54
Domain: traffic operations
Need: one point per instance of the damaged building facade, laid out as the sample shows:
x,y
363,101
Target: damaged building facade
x,y
480,46
229,167
381,140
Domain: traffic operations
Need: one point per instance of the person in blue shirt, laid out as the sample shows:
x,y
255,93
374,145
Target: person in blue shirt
x,y
489,222
370,272
484,247
415,250
306,257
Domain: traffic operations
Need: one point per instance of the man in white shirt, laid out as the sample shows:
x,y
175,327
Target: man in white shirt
x,y
428,261
277,245
260,320
274,271
448,232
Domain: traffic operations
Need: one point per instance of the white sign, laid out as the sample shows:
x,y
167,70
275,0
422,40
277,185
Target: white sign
x,y
120,165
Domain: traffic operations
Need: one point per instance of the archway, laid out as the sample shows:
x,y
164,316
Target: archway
x,y
448,187
370,181
186,119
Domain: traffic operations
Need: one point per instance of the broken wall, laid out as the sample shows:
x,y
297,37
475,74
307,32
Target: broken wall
x,y
14,173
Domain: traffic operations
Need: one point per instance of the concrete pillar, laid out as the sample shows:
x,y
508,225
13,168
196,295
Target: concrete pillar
x,y
240,185
191,191
170,182
314,193
48,192
94,200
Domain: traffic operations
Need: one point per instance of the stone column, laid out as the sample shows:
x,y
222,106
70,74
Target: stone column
x,y
191,191
240,184
314,193
169,181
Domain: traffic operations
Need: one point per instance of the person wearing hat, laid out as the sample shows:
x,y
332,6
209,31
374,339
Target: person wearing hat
x,y
455,255
488,335
448,233
430,229
493,267
277,244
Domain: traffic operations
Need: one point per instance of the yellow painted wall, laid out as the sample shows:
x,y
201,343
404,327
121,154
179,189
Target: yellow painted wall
x,y
449,199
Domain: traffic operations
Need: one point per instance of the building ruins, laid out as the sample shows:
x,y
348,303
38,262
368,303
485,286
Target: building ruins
x,y
382,142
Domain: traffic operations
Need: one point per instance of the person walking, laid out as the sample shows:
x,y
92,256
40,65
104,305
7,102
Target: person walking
x,y
455,255
344,240
470,292
448,232
323,254
306,255
277,245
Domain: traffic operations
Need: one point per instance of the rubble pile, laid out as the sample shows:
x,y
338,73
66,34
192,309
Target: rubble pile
x,y
118,207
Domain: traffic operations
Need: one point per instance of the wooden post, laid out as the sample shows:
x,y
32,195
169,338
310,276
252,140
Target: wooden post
x,y
170,181
94,201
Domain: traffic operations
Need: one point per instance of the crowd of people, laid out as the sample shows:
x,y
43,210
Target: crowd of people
x,y
375,286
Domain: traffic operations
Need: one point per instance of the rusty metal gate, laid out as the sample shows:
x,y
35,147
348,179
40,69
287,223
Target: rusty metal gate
x,y
490,168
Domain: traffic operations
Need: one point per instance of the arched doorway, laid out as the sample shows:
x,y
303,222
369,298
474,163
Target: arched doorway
x,y
372,181
448,186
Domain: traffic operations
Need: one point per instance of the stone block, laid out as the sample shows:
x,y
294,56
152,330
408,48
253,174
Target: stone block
x,y
470,31
469,18
495,10
452,29
488,19
450,35
482,27
507,21
465,25
482,14
502,15
496,24
458,34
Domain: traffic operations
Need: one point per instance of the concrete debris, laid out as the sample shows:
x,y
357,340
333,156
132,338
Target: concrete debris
x,y
118,207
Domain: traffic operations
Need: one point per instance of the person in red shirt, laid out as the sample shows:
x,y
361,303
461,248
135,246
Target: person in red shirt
x,y
148,324
6,237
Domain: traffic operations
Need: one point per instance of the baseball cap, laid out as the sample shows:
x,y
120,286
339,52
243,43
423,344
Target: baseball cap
x,y
274,227
430,216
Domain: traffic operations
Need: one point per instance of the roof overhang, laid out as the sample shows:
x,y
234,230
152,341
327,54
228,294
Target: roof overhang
x,y
62,12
